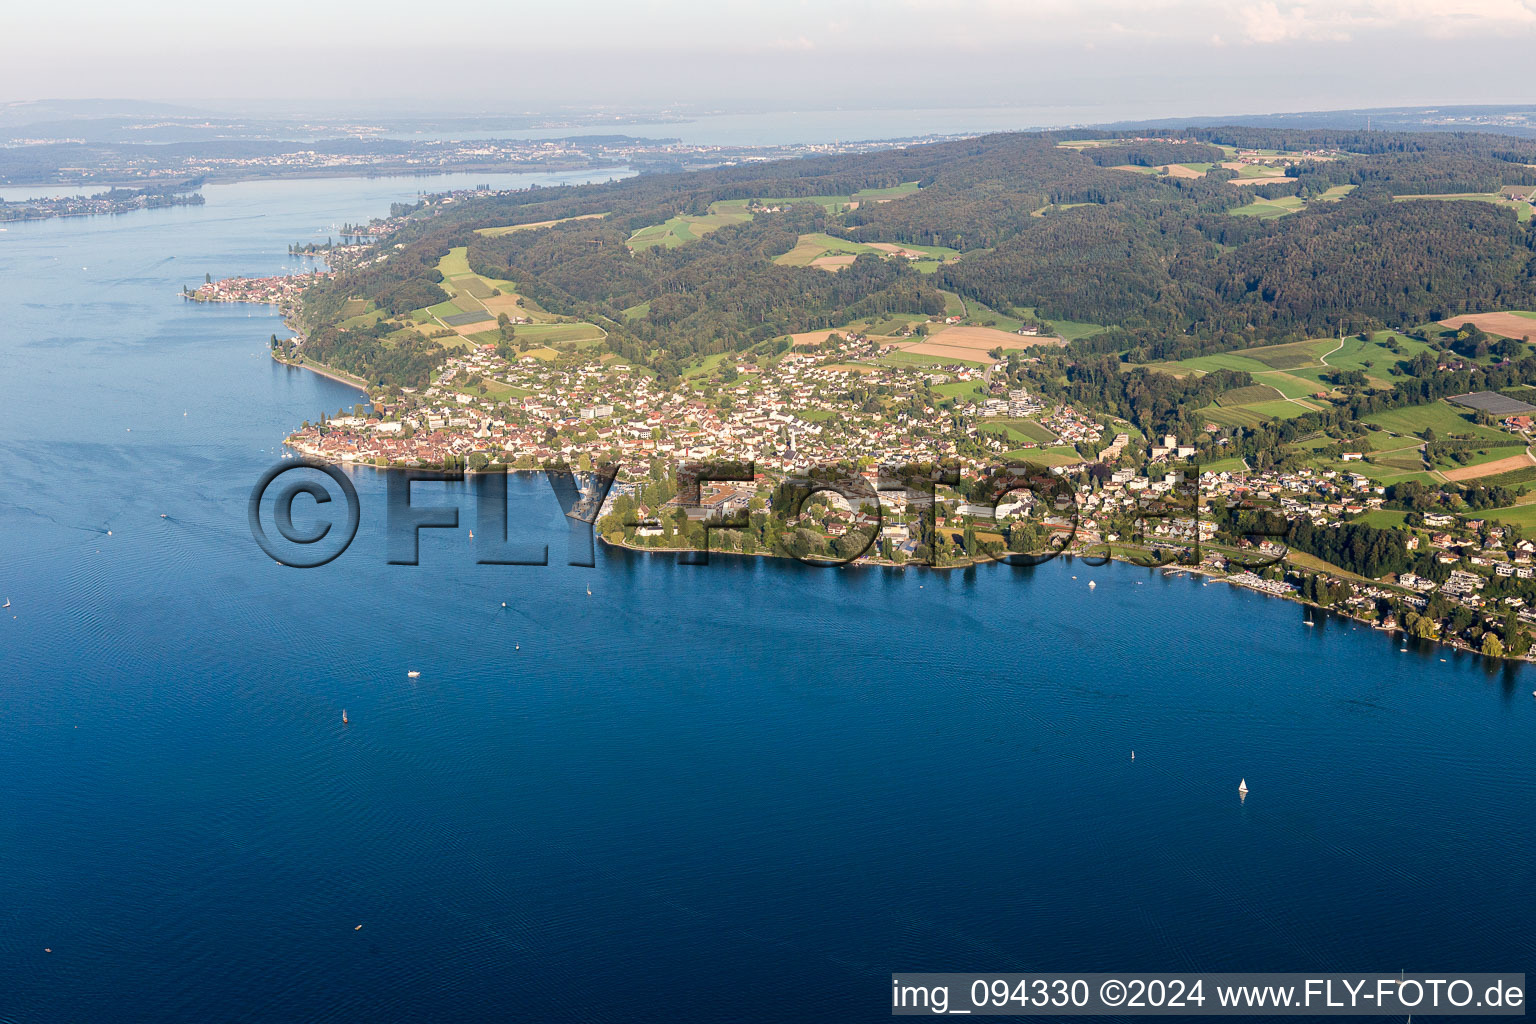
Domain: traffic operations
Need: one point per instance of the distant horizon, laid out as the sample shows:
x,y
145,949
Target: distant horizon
x,y
1176,56
589,119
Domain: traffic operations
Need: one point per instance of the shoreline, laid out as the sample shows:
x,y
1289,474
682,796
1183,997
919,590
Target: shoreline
x,y
339,376
405,171
1172,568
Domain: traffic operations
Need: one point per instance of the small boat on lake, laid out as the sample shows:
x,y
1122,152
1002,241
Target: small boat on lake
x,y
413,674
343,716
1242,788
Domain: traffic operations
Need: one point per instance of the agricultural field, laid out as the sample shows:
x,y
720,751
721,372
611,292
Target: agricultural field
x,y
554,334
1523,516
882,195
972,344
1018,431
924,258
828,252
477,301
1067,330
1250,395
1253,414
685,228
1254,174
1301,370
1232,465
824,251
986,338
967,390
1063,455
837,204
1515,324
509,228
1490,462
1441,417
1335,193
1268,209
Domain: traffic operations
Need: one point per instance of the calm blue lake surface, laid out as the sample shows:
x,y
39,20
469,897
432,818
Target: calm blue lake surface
x,y
747,791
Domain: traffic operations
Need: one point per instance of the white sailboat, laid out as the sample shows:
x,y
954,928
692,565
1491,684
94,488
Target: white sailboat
x,y
1242,788
413,674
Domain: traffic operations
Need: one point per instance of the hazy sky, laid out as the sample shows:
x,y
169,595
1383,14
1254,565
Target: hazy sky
x,y
1172,57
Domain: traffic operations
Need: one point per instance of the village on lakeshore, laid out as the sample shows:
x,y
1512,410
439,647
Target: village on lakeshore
x,y
1407,514
490,408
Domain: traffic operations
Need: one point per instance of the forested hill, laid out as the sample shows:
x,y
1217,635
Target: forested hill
x,y
1062,225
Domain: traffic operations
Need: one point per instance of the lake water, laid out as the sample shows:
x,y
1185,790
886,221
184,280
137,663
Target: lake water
x,y
746,791
819,127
